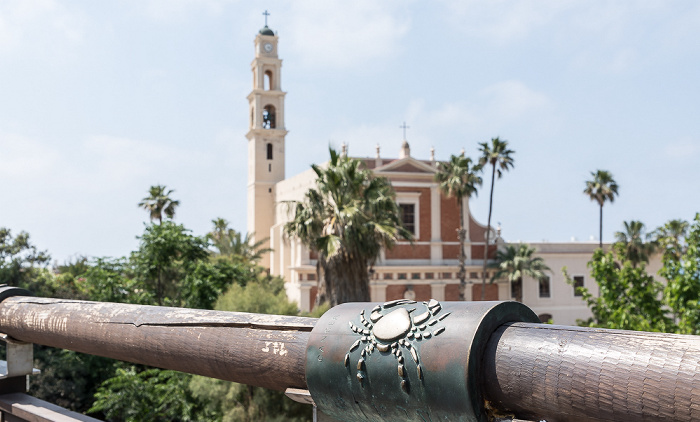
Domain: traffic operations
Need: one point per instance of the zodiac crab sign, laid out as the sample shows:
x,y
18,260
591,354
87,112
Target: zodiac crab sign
x,y
391,331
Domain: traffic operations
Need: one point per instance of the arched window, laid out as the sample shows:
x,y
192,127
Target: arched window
x,y
269,151
269,117
268,80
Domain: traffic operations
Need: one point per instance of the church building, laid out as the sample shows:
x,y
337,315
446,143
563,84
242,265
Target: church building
x,y
426,269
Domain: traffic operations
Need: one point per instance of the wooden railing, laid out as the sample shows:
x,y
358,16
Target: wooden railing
x,y
401,360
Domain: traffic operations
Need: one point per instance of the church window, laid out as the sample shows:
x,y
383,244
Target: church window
x,y
269,117
269,151
388,276
578,282
402,276
429,276
269,168
268,80
545,318
544,287
447,276
408,217
415,276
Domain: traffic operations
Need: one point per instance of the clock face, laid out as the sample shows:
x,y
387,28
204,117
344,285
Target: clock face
x,y
267,47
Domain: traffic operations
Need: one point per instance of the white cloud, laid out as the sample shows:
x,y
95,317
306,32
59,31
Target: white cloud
x,y
33,24
511,100
178,10
683,149
23,158
502,20
345,34
120,161
453,125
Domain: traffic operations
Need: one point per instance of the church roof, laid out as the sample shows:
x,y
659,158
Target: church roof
x,y
266,31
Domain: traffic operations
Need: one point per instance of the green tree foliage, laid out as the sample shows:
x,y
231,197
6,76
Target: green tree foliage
x,y
113,280
158,202
69,379
231,402
671,238
153,395
459,178
501,160
347,218
515,262
232,245
167,253
630,298
633,243
19,259
681,267
601,189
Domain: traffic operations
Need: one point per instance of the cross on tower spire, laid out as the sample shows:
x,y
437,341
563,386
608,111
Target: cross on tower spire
x,y
266,14
404,127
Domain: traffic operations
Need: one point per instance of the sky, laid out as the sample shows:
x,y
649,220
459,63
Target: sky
x,y
101,100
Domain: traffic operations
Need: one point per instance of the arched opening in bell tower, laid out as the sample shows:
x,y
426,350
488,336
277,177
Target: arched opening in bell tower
x,y
268,116
268,80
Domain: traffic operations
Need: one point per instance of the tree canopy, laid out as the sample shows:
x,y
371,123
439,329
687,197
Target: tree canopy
x,y
459,178
634,243
159,203
517,261
231,244
601,189
347,218
500,157
630,298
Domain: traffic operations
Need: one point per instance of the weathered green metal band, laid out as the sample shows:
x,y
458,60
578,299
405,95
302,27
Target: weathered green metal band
x,y
404,360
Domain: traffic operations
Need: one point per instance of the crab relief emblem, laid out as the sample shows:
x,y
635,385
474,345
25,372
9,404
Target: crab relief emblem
x,y
395,328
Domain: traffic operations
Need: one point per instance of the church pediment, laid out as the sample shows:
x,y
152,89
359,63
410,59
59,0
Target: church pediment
x,y
406,165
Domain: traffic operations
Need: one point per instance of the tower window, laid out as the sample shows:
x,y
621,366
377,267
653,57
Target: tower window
x,y
269,151
268,80
269,117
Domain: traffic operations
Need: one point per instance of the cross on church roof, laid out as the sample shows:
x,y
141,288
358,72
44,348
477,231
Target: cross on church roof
x,y
266,14
404,127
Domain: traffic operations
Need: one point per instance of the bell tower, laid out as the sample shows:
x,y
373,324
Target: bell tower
x,y
265,137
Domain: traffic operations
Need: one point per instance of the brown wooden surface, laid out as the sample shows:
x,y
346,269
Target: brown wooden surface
x,y
557,373
262,350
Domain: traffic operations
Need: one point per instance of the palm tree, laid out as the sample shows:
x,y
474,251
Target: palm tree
x,y
516,262
602,188
458,179
633,244
671,237
500,157
347,218
158,202
230,243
